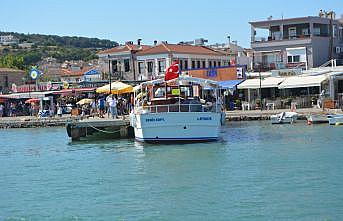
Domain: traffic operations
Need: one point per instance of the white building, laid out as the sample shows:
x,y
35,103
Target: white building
x,y
152,62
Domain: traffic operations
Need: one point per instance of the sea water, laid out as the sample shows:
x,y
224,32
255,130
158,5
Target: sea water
x,y
257,171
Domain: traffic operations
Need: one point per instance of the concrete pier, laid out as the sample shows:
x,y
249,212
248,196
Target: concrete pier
x,y
250,115
115,128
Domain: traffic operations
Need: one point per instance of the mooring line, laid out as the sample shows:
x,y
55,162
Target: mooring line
x,y
104,131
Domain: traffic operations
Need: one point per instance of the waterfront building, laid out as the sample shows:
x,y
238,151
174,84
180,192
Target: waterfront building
x,y
303,42
9,78
120,60
152,62
237,54
280,87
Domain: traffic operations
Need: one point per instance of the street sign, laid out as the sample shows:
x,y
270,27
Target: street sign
x,y
34,73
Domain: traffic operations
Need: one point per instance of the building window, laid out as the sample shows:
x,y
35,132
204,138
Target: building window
x,y
181,64
150,66
316,31
140,67
210,64
126,65
162,65
186,64
198,64
296,58
214,64
219,63
203,64
193,64
304,31
293,59
114,66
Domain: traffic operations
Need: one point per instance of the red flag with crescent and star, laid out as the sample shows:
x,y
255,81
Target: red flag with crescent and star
x,y
172,72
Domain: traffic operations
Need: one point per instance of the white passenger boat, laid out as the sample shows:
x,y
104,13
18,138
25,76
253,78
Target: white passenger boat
x,y
284,118
335,119
317,119
176,110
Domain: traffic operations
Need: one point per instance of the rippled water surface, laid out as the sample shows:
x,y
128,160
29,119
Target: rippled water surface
x,y
257,171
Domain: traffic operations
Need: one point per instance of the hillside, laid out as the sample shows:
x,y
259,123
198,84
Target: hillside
x,y
60,47
64,41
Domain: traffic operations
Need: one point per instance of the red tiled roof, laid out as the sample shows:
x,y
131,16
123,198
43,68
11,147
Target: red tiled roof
x,y
126,47
8,70
175,48
68,72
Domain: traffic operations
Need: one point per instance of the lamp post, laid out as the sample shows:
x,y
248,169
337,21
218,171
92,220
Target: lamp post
x,y
259,73
109,72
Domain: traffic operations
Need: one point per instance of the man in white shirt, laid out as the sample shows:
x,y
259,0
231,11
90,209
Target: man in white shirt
x,y
112,103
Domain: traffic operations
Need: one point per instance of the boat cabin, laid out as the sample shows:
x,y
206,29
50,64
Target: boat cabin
x,y
183,94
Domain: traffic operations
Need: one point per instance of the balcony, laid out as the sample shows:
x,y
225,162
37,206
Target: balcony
x,y
261,42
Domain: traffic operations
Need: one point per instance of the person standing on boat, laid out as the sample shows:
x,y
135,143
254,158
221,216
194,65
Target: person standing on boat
x,y
112,102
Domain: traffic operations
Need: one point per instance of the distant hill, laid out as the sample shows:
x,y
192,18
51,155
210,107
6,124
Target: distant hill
x,y
60,47
64,41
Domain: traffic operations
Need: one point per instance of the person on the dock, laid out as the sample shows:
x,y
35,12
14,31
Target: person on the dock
x,y
2,108
101,105
59,110
112,103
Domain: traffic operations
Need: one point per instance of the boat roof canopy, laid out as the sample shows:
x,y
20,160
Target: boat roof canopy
x,y
183,79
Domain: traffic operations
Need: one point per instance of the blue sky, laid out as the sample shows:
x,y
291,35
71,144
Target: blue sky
x,y
173,21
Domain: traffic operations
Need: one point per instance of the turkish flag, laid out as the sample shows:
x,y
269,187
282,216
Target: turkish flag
x,y
172,72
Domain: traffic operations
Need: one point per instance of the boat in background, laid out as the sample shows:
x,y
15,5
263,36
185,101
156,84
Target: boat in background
x,y
284,118
317,119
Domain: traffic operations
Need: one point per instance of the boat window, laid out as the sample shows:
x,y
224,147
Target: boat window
x,y
159,92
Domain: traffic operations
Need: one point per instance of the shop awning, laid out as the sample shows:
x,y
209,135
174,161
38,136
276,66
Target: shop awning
x,y
231,84
75,90
26,95
268,82
302,81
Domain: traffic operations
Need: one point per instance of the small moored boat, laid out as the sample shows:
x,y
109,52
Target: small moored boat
x,y
335,119
284,118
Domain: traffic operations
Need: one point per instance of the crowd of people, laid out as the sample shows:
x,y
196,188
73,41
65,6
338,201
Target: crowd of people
x,y
13,109
102,106
112,105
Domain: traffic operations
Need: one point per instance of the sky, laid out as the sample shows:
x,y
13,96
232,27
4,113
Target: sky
x,y
172,21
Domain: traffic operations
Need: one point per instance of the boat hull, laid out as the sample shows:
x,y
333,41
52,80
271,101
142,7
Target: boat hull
x,y
284,118
178,126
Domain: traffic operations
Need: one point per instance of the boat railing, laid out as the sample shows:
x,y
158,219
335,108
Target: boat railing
x,y
180,108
